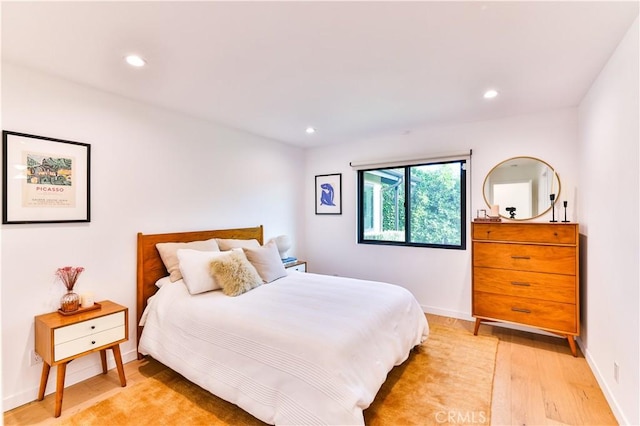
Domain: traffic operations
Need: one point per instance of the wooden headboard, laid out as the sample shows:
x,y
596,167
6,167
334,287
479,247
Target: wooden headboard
x,y
151,269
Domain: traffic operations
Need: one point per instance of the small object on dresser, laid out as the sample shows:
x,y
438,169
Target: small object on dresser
x,y
80,310
564,203
86,300
70,301
552,197
488,219
283,242
288,260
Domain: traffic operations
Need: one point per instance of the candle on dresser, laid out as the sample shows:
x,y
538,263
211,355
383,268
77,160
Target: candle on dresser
x,y
495,210
87,300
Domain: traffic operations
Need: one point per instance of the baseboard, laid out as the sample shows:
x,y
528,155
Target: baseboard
x,y
606,390
446,313
73,377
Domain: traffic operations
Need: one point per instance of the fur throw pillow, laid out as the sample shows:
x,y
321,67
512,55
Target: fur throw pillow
x,y
235,274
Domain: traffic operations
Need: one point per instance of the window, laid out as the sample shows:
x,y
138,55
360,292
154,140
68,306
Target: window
x,y
415,205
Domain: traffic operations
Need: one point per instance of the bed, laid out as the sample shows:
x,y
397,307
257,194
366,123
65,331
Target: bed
x,y
303,349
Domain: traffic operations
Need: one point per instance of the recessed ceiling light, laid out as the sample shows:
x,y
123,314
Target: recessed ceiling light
x,y
135,61
310,130
490,94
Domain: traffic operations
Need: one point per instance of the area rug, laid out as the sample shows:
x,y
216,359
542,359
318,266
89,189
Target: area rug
x,y
448,380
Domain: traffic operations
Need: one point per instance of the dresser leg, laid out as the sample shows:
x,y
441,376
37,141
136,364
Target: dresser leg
x,y
572,345
103,360
44,378
118,357
62,369
477,326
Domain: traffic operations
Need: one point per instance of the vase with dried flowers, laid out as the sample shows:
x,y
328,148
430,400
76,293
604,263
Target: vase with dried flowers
x,y
70,302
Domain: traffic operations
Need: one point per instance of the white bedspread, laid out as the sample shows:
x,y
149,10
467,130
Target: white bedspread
x,y
305,349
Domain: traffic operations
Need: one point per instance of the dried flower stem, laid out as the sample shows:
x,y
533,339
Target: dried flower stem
x,y
69,275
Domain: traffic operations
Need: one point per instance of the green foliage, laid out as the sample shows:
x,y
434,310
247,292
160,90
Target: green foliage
x,y
393,211
435,206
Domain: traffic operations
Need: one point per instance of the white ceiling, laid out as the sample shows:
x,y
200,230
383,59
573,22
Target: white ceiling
x,y
350,69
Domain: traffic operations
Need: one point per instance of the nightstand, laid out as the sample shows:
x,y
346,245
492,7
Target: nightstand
x,y
299,265
61,339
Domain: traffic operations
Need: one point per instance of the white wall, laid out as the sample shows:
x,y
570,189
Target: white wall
x,y
609,205
439,278
152,171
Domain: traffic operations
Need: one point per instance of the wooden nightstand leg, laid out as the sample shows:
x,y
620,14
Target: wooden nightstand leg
x,y
477,326
572,345
62,370
103,359
44,378
118,358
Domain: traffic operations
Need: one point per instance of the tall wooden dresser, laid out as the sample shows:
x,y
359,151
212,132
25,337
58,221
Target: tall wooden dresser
x,y
527,273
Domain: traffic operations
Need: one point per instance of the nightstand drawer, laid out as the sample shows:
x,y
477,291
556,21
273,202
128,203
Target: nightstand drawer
x,y
88,343
302,267
86,328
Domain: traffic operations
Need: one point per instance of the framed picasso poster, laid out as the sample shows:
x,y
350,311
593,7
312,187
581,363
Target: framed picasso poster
x,y
44,180
329,194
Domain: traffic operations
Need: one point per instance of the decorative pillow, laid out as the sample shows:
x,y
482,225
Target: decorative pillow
x,y
235,274
162,281
266,260
228,244
195,267
170,258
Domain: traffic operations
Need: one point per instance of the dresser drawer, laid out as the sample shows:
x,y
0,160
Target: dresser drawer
x,y
538,233
525,257
555,316
89,342
85,328
532,285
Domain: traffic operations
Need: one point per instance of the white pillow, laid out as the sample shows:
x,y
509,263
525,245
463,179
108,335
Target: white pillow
x,y
195,267
227,244
162,281
266,260
168,254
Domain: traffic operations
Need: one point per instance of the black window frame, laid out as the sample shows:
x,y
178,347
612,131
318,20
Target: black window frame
x,y
407,207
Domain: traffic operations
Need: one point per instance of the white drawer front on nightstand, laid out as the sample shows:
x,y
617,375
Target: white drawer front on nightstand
x,y
86,343
300,268
86,328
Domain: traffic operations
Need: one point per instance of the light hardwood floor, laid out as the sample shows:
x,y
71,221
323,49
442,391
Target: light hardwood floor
x,y
537,382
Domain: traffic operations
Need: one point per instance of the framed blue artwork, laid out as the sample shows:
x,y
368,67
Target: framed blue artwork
x,y
329,194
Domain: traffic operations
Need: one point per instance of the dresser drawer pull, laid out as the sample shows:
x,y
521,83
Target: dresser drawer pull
x,y
520,284
93,327
93,342
521,257
524,311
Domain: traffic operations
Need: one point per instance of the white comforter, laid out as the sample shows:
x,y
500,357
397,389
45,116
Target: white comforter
x,y
305,349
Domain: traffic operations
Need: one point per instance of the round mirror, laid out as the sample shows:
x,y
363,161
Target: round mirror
x,y
522,187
